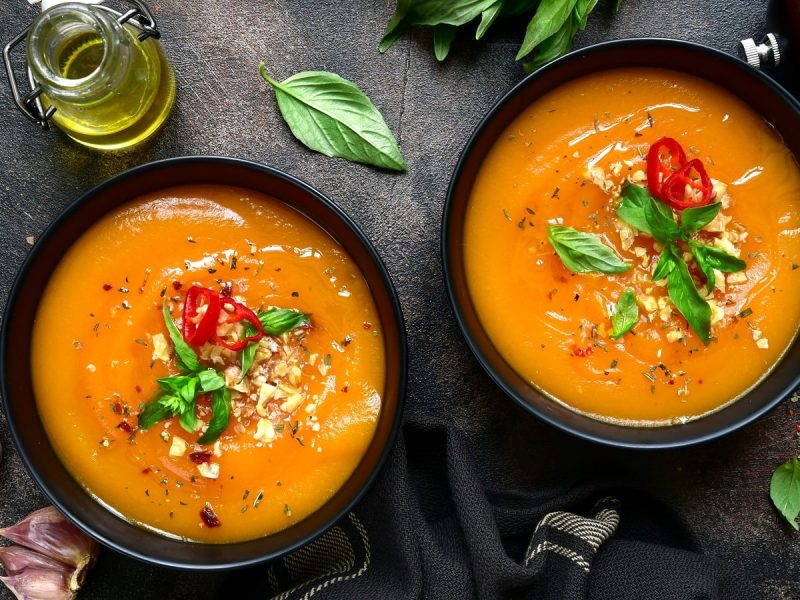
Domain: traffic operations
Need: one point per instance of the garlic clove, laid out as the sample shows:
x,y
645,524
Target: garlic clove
x,y
47,531
16,559
39,584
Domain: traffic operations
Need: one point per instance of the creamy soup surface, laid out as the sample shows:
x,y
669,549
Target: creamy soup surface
x,y
563,162
299,423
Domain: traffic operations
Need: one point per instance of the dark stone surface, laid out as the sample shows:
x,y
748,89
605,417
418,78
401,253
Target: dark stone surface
x,y
223,108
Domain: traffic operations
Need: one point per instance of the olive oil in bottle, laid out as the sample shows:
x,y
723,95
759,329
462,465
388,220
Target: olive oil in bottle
x,y
110,90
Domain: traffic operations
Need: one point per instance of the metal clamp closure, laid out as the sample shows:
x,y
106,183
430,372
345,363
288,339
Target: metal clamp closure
x,y
30,104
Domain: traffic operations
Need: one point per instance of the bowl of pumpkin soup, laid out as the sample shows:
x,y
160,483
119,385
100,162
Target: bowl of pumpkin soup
x,y
203,363
621,243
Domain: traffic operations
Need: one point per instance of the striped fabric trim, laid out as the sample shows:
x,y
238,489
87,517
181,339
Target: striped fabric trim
x,y
336,543
586,530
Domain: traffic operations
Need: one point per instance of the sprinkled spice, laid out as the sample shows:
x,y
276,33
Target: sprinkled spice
x,y
287,510
107,287
200,457
258,499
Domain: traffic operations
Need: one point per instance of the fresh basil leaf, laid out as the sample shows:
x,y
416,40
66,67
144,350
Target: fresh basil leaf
x,y
639,209
210,380
249,353
277,321
784,490
443,36
174,384
173,402
188,418
153,412
488,17
666,262
626,314
431,12
584,252
187,359
220,409
331,115
582,10
557,44
694,219
546,21
687,299
717,257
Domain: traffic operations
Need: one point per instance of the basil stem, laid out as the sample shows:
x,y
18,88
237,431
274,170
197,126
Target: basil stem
x,y
220,408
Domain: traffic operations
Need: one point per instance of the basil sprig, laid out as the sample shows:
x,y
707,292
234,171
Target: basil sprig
x,y
710,257
639,209
549,33
626,314
331,115
695,218
177,396
584,252
784,490
220,414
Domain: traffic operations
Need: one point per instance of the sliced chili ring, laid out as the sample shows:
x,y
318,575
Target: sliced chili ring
x,y
673,191
200,324
659,169
237,312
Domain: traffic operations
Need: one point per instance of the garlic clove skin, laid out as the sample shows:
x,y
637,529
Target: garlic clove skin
x,y
16,559
48,532
39,584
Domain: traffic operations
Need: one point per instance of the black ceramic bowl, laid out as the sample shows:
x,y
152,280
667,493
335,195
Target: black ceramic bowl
x,y
760,92
15,364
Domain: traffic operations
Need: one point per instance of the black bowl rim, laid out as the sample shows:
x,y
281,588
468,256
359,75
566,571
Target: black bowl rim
x,y
166,163
633,44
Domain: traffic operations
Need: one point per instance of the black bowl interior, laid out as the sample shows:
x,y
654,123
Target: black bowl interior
x,y
57,483
757,90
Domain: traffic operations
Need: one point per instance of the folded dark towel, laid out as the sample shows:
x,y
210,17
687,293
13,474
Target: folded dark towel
x,y
429,530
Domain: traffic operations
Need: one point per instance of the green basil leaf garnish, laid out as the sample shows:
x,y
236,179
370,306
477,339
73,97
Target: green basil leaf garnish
x,y
174,383
277,321
584,252
209,380
187,359
331,115
687,299
626,314
488,17
784,490
220,408
249,353
153,412
639,209
188,418
546,21
694,219
666,262
718,258
443,36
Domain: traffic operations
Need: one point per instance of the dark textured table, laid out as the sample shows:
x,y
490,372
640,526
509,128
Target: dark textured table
x,y
224,108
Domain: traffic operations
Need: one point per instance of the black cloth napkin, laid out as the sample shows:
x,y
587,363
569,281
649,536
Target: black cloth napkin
x,y
430,530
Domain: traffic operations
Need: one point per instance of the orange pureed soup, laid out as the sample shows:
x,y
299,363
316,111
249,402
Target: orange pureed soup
x,y
566,161
299,422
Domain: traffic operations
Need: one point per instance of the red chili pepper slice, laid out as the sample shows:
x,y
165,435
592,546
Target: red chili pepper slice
x,y
200,313
239,312
673,191
662,166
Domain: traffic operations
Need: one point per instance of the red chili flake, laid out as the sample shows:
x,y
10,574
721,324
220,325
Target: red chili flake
x,y
227,290
176,285
125,426
209,516
699,381
117,407
107,287
203,456
367,325
672,382
345,388
138,389
797,427
145,471
581,352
